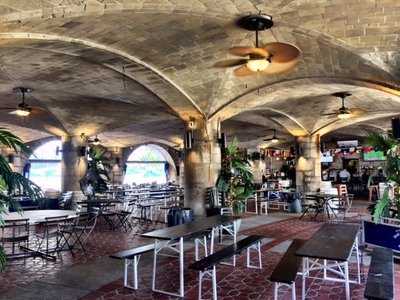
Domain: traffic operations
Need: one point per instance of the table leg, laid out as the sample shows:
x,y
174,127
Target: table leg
x,y
303,278
346,278
181,266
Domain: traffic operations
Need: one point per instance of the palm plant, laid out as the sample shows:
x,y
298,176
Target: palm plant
x,y
97,172
11,182
391,149
236,178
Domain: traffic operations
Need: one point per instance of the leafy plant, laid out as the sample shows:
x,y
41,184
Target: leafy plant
x,y
13,183
236,178
391,149
97,171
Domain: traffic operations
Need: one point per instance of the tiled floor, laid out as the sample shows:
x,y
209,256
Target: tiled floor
x,y
94,276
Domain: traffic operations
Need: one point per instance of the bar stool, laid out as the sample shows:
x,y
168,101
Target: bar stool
x,y
371,190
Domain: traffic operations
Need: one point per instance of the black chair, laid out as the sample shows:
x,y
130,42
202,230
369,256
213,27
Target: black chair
x,y
311,204
13,235
77,233
49,239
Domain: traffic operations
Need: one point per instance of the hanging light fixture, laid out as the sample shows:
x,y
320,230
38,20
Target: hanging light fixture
x,y
96,141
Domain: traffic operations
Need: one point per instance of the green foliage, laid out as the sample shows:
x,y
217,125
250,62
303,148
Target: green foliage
x,y
97,171
12,183
391,149
382,207
236,178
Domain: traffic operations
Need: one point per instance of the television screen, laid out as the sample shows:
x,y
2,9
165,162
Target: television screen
x,y
374,155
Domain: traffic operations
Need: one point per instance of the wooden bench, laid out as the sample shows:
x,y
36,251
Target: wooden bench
x,y
286,270
380,275
131,258
206,266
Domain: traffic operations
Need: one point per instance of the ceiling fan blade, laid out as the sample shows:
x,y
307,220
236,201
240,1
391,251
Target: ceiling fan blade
x,y
282,52
277,68
245,51
7,108
243,71
358,111
330,114
230,63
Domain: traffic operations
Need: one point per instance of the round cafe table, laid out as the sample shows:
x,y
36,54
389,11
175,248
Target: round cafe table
x,y
37,216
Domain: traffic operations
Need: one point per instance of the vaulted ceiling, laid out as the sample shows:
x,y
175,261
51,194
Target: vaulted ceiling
x,y
134,71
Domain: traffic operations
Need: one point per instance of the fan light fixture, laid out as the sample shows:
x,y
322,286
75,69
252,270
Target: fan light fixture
x,y
257,65
275,140
344,115
22,112
96,141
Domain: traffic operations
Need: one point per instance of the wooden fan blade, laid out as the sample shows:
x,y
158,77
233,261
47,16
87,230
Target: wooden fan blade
x,y
245,51
282,52
330,114
7,108
243,71
230,63
357,111
277,68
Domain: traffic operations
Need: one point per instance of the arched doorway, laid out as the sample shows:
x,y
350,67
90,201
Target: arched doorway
x,y
149,164
45,166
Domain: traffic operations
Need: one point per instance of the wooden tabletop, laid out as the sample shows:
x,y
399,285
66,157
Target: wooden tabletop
x,y
189,229
37,216
331,242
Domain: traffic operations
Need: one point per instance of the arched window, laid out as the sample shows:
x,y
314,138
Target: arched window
x,y
45,168
148,164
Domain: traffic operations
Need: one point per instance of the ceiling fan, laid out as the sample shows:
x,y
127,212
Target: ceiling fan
x,y
345,112
272,58
22,109
274,139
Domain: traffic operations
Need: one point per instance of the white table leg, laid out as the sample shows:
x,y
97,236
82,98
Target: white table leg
x,y
181,268
346,278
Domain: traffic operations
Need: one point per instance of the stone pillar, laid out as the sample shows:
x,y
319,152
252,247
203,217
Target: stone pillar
x,y
117,173
308,167
73,163
202,164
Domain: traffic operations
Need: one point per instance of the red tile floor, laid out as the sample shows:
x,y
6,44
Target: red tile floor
x,y
233,283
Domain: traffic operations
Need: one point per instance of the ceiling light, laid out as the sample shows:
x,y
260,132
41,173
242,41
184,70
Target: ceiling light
x,y
22,112
257,65
275,140
344,115
96,141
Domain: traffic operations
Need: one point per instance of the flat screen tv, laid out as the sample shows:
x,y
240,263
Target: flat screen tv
x,y
373,155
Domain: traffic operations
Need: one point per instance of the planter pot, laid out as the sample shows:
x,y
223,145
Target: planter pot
x,y
295,206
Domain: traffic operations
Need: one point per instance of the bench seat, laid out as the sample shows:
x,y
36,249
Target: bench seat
x,y
207,265
131,258
286,270
380,275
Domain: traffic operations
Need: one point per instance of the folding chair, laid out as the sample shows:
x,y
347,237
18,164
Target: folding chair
x,y
51,234
78,233
13,235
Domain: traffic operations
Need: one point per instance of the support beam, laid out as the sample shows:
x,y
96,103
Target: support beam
x,y
73,163
202,164
308,167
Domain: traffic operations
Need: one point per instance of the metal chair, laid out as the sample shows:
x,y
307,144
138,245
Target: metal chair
x,y
13,235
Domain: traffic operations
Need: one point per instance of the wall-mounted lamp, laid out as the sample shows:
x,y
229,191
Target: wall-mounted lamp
x,y
189,139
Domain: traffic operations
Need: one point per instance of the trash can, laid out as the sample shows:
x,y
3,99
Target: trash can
x,y
294,203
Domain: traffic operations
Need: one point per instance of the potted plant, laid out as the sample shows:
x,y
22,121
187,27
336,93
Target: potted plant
x,y
12,182
386,220
236,178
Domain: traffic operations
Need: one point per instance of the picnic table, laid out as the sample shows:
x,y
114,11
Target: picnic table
x,y
171,238
333,243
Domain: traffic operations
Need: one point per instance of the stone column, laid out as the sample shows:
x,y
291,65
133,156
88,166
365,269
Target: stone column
x,y
73,163
202,164
117,173
308,167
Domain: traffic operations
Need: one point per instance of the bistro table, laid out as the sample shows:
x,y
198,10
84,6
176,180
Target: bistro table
x,y
36,217
334,243
172,238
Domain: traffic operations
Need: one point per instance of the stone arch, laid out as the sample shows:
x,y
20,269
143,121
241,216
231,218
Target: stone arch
x,y
122,62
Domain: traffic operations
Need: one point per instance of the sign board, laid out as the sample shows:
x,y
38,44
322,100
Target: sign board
x,y
347,144
383,235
